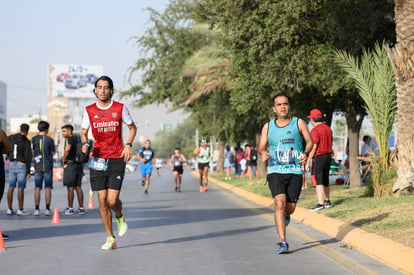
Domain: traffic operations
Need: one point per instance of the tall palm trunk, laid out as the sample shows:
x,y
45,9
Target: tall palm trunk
x,y
354,126
402,56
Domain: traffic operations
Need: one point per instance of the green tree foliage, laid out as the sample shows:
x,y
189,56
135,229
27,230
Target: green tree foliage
x,y
164,48
285,46
181,136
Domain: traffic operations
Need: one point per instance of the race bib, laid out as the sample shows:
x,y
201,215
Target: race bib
x,y
99,164
177,163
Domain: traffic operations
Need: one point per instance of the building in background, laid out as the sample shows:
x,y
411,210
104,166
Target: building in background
x,y
3,106
32,120
70,90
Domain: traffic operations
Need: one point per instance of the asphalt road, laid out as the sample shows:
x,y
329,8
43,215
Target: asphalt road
x,y
170,233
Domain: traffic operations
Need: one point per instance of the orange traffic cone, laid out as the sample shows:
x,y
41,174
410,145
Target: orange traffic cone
x,y
90,203
2,247
56,218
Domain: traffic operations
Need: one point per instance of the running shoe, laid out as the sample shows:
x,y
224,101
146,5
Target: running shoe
x,y
109,244
146,192
5,237
283,248
22,213
176,189
201,188
142,182
69,211
36,212
121,225
205,188
317,207
327,204
10,212
287,219
81,211
48,212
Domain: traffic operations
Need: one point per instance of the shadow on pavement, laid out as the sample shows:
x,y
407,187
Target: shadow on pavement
x,y
207,236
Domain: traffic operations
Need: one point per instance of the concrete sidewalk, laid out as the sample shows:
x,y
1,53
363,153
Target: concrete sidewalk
x,y
391,253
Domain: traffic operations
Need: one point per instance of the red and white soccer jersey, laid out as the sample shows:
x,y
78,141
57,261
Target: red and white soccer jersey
x,y
106,124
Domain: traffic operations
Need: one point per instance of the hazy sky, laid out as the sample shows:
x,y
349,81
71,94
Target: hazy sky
x,y
34,34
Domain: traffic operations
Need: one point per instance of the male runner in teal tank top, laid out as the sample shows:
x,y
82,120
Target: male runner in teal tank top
x,y
281,146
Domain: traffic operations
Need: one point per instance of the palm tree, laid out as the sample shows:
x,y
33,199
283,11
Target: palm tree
x,y
402,56
375,80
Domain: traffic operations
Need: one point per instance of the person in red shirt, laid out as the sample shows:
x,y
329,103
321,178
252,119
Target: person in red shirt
x,y
321,155
109,155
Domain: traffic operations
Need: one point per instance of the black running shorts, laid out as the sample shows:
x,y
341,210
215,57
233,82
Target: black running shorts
x,y
289,184
111,178
202,165
320,169
179,169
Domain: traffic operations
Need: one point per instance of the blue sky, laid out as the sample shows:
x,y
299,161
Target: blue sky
x,y
34,34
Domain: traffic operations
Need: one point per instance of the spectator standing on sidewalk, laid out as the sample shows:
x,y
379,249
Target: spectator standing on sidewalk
x,y
251,157
109,155
44,149
281,145
72,170
228,162
19,171
239,157
321,155
5,148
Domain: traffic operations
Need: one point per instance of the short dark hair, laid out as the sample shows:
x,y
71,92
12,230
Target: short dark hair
x,y
105,78
24,127
68,127
110,83
318,119
280,95
365,138
43,126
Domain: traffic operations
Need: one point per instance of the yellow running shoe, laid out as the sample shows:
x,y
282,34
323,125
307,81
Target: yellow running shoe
x,y
109,244
121,225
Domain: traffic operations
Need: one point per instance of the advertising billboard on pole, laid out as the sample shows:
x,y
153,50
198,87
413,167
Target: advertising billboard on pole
x,y
72,81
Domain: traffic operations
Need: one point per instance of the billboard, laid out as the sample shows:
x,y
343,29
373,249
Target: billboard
x,y
72,81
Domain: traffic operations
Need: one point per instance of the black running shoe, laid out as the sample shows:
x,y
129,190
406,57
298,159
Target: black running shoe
x,y
317,207
327,204
5,237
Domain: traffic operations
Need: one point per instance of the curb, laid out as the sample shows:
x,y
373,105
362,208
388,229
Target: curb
x,y
389,252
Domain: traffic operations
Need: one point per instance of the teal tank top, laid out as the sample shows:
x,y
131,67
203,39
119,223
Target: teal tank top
x,y
285,148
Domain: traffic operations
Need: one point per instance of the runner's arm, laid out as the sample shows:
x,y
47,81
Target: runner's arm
x,y
264,143
6,142
127,152
304,131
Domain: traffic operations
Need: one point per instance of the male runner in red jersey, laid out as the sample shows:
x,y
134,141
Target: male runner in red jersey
x,y
109,155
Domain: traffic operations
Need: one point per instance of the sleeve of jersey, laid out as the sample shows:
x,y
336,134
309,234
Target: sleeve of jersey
x,y
85,120
126,116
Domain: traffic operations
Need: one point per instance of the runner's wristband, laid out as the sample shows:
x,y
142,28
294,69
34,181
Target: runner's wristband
x,y
129,144
86,144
